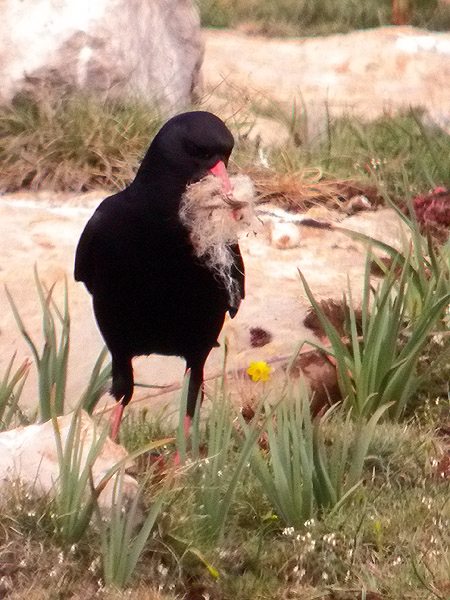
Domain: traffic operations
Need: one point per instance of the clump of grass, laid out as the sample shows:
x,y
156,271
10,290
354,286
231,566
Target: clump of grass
x,y
323,17
72,142
123,537
11,386
350,156
75,495
76,143
302,476
380,367
387,146
398,318
51,362
368,153
214,477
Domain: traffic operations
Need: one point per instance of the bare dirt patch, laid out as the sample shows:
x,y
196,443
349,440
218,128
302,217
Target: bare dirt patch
x,y
365,73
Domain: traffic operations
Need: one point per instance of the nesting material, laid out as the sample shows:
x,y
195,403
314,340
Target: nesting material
x,y
215,221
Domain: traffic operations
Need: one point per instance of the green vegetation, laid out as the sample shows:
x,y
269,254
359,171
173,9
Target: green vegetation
x,y
79,144
318,17
399,153
387,538
377,366
51,363
72,142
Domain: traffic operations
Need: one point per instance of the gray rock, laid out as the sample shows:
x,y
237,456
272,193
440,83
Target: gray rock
x,y
29,455
150,50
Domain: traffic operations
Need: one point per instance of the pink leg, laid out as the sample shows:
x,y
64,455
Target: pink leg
x,y
186,430
115,421
187,426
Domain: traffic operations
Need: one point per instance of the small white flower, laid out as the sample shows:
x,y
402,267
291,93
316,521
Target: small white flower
x,y
438,338
288,531
94,565
330,538
427,501
5,582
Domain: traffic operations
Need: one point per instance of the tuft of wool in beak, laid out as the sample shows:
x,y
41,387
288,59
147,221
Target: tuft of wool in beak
x,y
216,219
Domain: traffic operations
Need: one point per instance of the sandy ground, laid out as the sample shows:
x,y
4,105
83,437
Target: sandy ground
x,y
45,232
366,73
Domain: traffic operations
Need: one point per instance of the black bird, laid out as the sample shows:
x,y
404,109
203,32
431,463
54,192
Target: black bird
x,y
150,293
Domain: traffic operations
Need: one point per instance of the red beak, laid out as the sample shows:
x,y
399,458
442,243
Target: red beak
x,y
220,170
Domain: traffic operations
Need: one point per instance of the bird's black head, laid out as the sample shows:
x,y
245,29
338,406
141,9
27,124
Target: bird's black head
x,y
186,148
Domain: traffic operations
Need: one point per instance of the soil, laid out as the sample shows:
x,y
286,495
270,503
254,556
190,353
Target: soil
x,y
365,73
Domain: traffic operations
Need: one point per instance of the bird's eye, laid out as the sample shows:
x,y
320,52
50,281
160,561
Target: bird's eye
x,y
204,154
199,151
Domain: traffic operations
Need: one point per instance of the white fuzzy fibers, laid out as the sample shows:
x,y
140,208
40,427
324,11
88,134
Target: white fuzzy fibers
x,y
215,220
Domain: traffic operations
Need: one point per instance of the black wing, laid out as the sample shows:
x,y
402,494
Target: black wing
x,y
238,274
85,252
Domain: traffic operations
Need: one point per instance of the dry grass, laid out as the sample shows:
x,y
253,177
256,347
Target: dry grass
x,y
299,191
77,143
72,142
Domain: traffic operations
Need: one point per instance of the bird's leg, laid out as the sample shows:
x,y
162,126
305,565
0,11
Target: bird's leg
x,y
195,388
116,419
195,371
187,422
122,390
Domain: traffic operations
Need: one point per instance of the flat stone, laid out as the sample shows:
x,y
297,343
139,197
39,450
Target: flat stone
x,y
29,455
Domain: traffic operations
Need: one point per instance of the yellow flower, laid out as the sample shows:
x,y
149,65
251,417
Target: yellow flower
x,y
259,370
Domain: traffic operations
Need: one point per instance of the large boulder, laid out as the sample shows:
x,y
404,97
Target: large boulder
x,y
137,48
29,455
